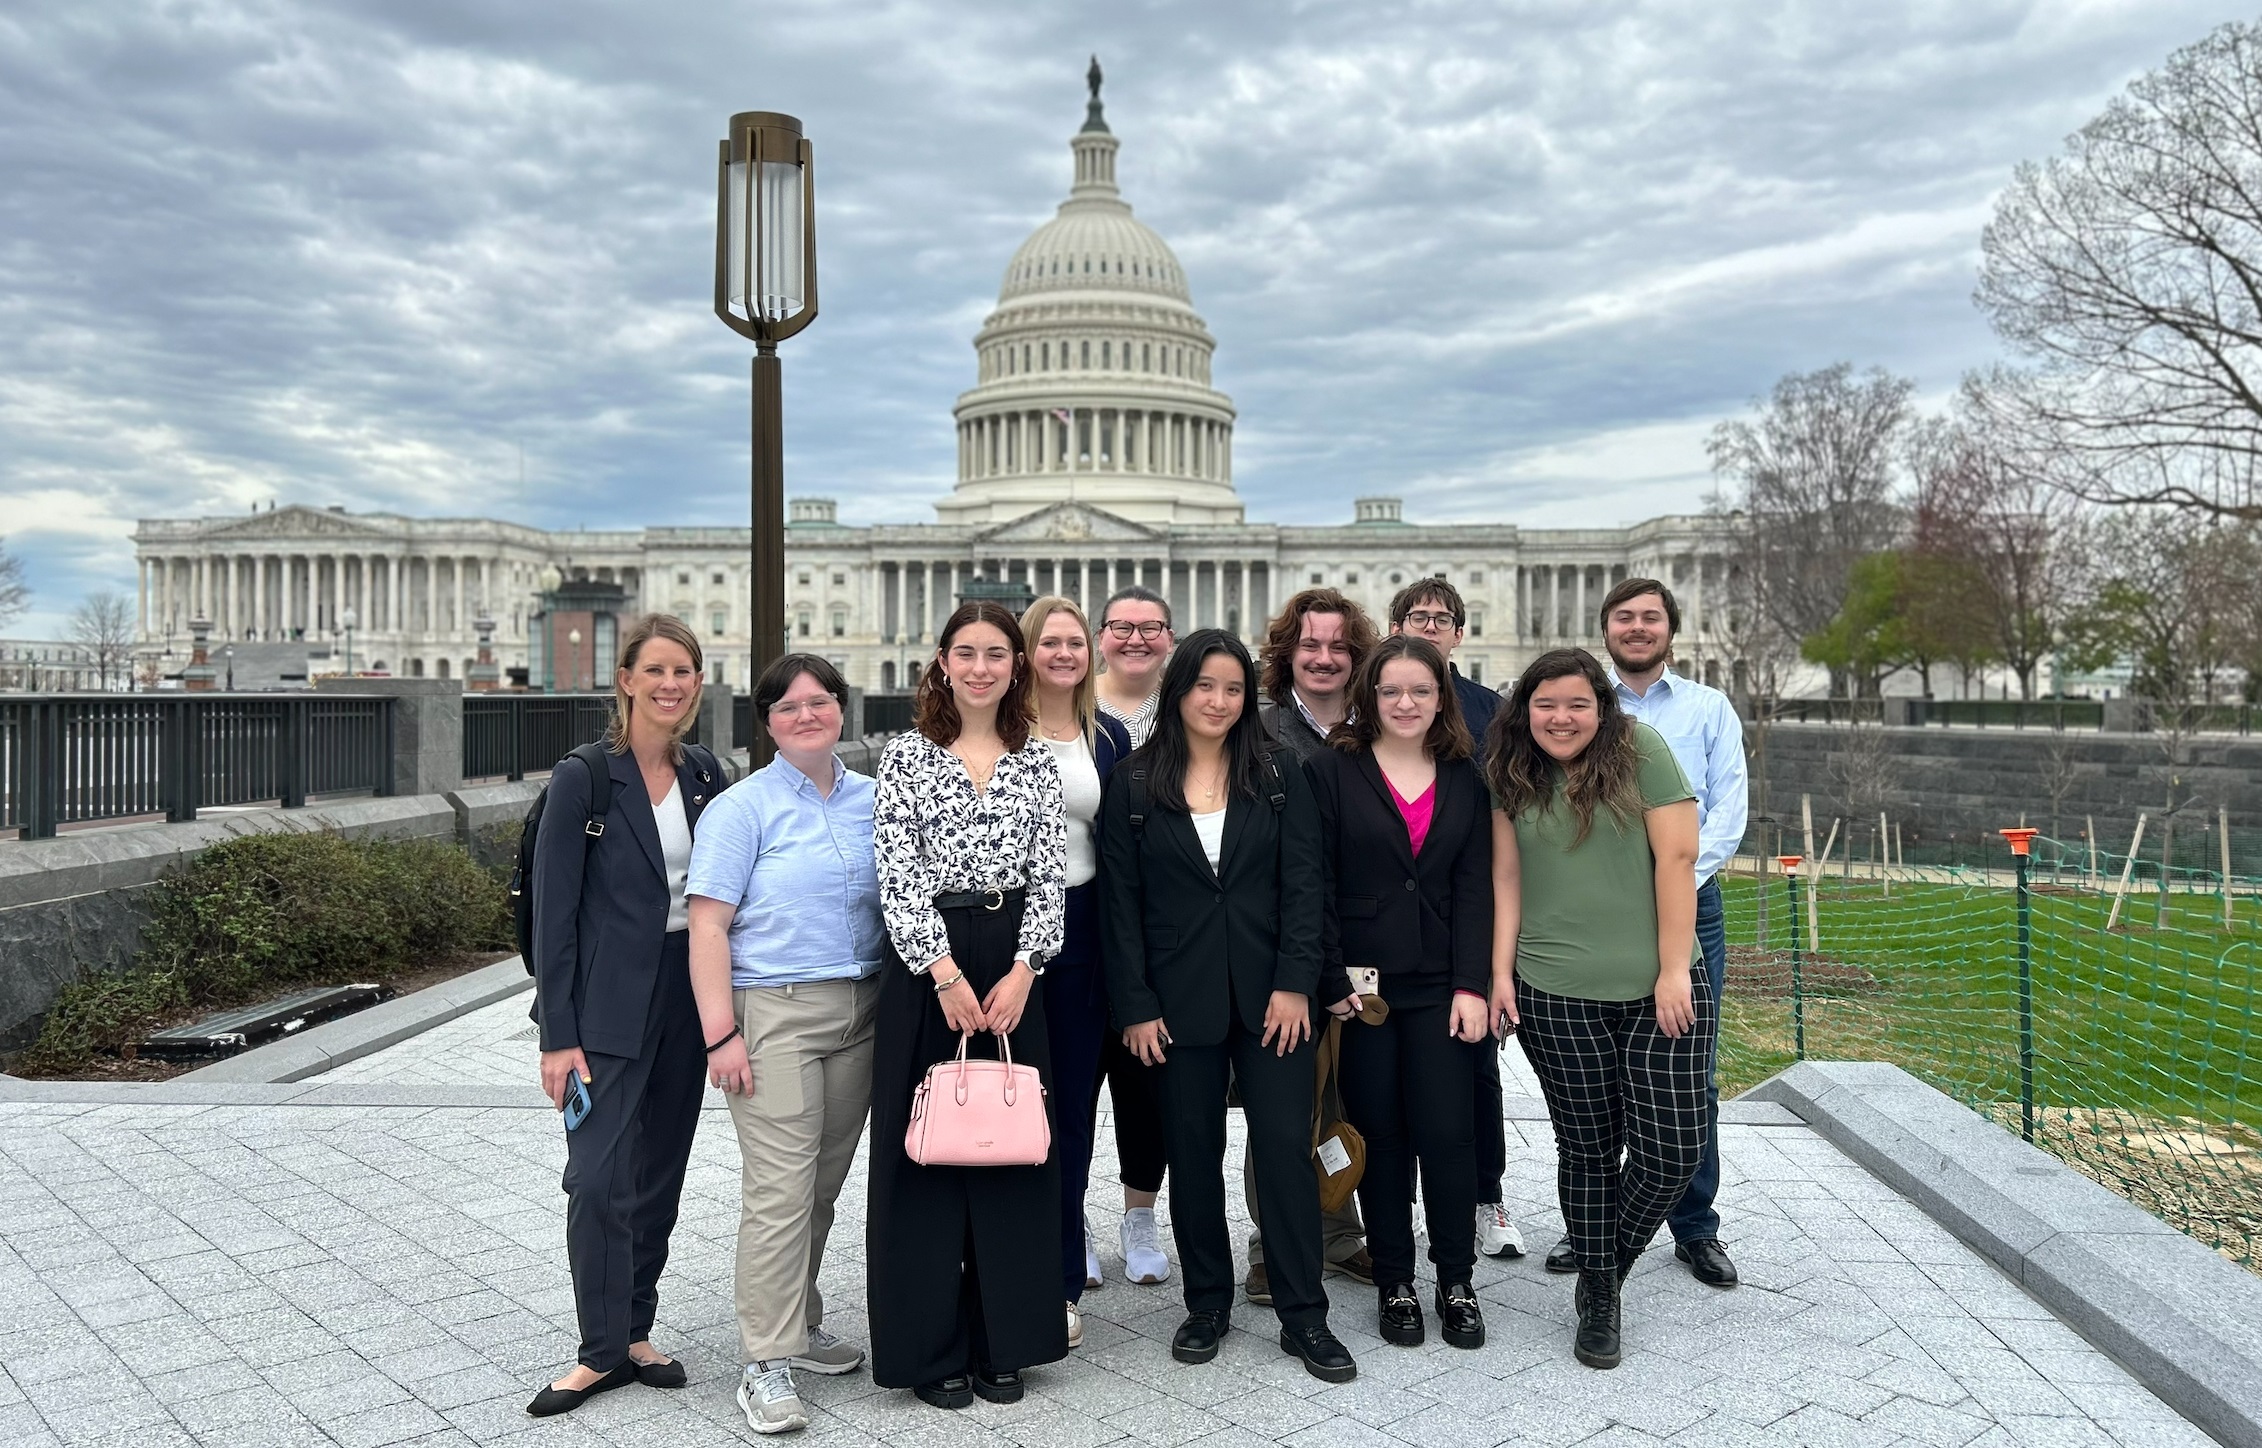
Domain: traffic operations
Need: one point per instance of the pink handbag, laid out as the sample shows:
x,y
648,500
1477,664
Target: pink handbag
x,y
979,1113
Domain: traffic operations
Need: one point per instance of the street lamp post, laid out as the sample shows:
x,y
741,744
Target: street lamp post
x,y
573,660
766,290
229,653
347,618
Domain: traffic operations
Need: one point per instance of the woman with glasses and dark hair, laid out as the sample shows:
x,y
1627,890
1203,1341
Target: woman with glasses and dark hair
x,y
1406,839
962,1263
1085,744
1211,897
786,950
1594,847
613,1006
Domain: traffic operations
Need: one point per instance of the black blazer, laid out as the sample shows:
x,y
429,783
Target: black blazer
x,y
1428,919
1194,946
601,905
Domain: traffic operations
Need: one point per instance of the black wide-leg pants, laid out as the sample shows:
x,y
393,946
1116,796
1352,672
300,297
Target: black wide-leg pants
x,y
625,1165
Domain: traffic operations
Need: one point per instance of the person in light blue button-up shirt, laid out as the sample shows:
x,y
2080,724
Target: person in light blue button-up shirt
x,y
786,947
1639,619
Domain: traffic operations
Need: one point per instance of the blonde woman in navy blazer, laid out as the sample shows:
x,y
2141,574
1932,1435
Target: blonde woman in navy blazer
x,y
612,998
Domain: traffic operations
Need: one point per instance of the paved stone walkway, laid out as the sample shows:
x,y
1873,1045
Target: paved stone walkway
x,y
381,1262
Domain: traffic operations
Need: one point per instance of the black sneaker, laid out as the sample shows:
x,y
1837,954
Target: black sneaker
x,y
1197,1337
1401,1315
1323,1357
1460,1319
1596,1299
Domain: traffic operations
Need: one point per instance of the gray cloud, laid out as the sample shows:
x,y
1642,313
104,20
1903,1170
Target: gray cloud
x,y
1509,260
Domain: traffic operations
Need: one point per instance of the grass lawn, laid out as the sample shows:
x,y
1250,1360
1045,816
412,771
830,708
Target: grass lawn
x,y
2147,1039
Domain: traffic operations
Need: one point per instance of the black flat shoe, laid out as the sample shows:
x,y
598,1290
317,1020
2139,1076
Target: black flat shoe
x,y
1400,1315
1197,1337
951,1392
1002,1387
1460,1319
554,1400
1562,1257
1708,1262
1323,1357
667,1374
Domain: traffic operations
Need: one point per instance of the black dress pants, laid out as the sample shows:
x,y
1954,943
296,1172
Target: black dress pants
x,y
625,1164
1276,1099
1140,1153
1491,1124
1408,1087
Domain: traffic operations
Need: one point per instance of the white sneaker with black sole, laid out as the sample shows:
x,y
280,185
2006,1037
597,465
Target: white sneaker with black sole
x,y
765,1391
828,1355
1497,1233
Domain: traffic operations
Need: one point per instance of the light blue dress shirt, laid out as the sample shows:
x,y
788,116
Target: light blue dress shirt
x,y
798,868
1707,738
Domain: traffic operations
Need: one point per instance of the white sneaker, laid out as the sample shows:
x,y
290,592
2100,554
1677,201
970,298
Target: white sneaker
x,y
1091,1255
1143,1261
828,1355
765,1391
1497,1233
1075,1326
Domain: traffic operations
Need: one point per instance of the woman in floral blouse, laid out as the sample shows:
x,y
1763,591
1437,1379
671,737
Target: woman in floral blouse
x,y
971,837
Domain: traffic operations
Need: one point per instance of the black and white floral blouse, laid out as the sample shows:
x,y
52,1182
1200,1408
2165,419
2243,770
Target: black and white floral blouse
x,y
934,834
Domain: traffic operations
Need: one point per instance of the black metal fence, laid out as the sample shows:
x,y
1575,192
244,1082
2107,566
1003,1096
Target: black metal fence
x,y
509,736
2087,714
69,759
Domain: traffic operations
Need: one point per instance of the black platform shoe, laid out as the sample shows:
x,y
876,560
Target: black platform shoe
x,y
1460,1320
955,1391
1401,1315
1323,1357
997,1387
1197,1337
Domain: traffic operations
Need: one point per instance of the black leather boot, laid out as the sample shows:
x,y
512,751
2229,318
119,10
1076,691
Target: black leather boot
x,y
1596,1298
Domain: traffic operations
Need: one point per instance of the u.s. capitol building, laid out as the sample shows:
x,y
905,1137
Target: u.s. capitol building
x,y
1093,452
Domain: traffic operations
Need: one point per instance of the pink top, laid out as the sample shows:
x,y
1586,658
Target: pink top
x,y
1417,813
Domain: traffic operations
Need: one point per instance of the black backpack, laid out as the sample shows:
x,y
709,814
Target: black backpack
x,y
592,756
1277,792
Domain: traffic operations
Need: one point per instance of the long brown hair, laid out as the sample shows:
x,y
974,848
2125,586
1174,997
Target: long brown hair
x,y
1606,774
1448,737
1288,627
675,631
937,712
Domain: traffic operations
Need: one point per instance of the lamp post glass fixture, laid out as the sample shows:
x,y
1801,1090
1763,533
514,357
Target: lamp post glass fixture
x,y
347,618
766,290
573,660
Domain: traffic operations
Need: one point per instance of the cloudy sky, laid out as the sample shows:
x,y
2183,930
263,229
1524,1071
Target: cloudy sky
x,y
1508,260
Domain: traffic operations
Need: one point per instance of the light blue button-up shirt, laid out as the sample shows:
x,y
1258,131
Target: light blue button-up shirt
x,y
798,868
1707,737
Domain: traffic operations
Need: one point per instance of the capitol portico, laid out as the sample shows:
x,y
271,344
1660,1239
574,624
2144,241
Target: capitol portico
x,y
1093,452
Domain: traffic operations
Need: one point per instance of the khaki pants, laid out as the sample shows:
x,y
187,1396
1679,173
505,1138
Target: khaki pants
x,y
812,1051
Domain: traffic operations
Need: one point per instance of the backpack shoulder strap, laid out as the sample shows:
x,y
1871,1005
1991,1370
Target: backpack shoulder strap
x,y
1275,786
1138,802
592,757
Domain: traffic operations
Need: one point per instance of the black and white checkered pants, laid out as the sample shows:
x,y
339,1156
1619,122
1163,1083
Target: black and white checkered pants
x,y
1628,1103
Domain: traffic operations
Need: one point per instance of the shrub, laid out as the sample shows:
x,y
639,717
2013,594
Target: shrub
x,y
261,913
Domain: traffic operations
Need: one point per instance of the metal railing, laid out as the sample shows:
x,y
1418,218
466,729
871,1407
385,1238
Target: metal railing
x,y
2014,713
510,736
71,759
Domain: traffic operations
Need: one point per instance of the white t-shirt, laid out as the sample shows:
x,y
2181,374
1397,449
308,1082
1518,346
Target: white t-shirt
x,y
1080,790
675,852
1211,830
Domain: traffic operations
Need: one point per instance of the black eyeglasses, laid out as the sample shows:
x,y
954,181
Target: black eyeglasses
x,y
1123,628
1425,620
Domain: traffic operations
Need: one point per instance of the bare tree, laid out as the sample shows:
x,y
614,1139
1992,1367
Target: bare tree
x,y
1809,489
2128,270
15,594
104,627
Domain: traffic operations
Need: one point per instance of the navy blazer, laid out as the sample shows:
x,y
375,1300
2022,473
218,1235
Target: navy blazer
x,y
1478,705
601,905
1196,946
1425,918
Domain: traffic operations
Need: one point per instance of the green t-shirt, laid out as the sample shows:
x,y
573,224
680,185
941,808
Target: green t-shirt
x,y
1589,924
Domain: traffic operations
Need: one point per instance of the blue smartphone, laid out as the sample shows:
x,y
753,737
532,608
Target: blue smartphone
x,y
576,1101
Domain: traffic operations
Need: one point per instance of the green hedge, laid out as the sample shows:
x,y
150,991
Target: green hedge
x,y
262,913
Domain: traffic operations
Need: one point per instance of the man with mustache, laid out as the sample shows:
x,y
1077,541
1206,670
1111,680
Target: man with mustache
x,y
1311,648
1639,618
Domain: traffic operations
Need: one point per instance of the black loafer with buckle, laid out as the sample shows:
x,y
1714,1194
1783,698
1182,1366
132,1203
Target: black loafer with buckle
x,y
1401,1315
1460,1319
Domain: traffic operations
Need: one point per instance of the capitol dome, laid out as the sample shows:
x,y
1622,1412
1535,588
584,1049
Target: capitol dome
x,y
1094,371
